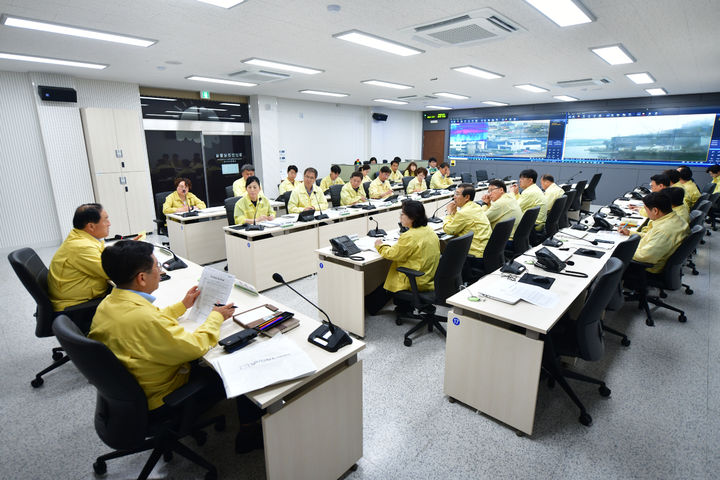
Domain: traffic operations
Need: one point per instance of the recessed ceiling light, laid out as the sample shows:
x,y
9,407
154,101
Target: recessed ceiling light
x,y
565,98
184,112
158,98
656,91
563,12
613,54
385,100
74,31
451,95
372,41
494,103
529,87
282,66
380,83
53,61
640,78
326,94
437,107
230,104
221,80
477,72
223,3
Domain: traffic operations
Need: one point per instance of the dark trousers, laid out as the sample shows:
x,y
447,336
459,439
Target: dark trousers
x,y
378,298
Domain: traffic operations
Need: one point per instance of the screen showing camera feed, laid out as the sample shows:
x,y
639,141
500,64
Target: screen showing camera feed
x,y
474,138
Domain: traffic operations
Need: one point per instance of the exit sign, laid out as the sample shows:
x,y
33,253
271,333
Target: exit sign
x,y
204,94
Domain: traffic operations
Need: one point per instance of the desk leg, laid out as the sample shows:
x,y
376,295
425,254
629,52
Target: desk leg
x,y
318,434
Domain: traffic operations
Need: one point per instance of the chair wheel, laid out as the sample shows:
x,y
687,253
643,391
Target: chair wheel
x,y
625,342
398,321
649,322
695,272
407,342
167,455
585,419
211,474
100,467
604,391
689,291
57,356
200,437
220,425
663,295
682,318
37,382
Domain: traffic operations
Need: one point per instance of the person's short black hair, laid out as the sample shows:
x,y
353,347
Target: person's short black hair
x,y
673,174
661,179
466,190
356,174
187,181
676,195
310,169
385,169
251,179
125,259
422,170
713,169
685,173
396,160
548,178
658,200
444,165
335,169
499,184
373,159
87,213
529,173
432,159
415,211
292,167
247,167
364,167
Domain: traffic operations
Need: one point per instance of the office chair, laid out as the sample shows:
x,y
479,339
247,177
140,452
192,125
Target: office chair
x,y
551,222
122,419
574,209
494,253
521,239
670,278
366,187
317,181
285,198
229,191
406,181
588,194
33,275
624,252
160,219
335,194
709,188
447,281
230,209
703,205
427,180
582,338
563,221
466,178
703,197
714,211
481,175
375,175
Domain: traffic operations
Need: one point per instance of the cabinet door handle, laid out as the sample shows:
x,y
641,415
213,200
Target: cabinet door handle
x,y
118,153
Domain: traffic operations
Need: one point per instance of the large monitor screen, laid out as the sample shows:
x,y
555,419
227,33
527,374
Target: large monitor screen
x,y
499,138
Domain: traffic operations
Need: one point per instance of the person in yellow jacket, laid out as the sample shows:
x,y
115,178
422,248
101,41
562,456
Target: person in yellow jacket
x,y
365,170
307,195
395,175
500,205
411,170
181,200
677,200
692,192
332,179
464,216
290,183
353,192
551,190
441,179
76,274
246,171
418,184
714,171
380,187
253,207
531,196
417,249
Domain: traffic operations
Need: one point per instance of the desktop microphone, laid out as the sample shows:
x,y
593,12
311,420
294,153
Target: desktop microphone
x,y
435,219
594,242
573,177
254,225
175,263
322,216
378,232
328,337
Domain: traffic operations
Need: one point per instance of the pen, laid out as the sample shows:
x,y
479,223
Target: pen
x,y
222,305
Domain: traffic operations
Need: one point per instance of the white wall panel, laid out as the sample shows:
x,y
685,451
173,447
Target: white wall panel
x,y
400,135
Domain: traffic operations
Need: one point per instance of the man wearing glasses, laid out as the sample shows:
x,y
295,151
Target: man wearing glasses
x,y
500,205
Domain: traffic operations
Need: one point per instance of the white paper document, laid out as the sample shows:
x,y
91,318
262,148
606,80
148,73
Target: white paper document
x,y
261,364
215,287
511,292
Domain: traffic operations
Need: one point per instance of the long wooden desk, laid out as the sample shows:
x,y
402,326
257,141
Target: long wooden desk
x,y
313,425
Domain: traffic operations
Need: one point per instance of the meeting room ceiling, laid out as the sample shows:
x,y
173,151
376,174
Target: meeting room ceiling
x,y
677,42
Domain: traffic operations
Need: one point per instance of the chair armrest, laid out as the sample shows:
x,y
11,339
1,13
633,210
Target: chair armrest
x,y
84,306
412,276
410,272
642,264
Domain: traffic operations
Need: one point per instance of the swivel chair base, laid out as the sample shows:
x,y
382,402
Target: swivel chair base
x,y
428,319
59,359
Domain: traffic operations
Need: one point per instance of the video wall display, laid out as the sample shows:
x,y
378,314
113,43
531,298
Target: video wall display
x,y
635,137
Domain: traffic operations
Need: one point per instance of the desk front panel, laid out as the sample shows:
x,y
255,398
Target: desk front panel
x,y
201,241
388,219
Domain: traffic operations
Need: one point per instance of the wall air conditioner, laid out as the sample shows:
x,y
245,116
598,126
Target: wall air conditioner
x,y
584,82
465,29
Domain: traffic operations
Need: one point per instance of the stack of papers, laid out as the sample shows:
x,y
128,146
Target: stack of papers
x,y
511,292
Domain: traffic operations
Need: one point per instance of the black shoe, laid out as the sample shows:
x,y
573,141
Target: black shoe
x,y
249,438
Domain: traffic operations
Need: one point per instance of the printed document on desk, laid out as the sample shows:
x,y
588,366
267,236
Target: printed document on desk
x,y
261,364
511,292
215,287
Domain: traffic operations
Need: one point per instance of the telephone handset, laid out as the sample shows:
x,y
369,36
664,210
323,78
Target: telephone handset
x,y
616,211
344,247
601,223
548,260
636,195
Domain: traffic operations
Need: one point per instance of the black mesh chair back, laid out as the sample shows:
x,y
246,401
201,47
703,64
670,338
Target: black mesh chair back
x,y
588,326
708,188
494,254
335,194
563,221
481,175
366,187
448,276
466,178
713,199
521,239
696,218
699,205
229,191
33,274
317,181
580,188
230,209
588,194
406,181
624,252
427,180
671,276
121,410
285,198
375,175
553,217
159,215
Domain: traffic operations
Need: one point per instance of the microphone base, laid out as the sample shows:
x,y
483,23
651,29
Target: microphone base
x,y
551,242
369,207
435,220
331,342
377,233
174,264
321,217
252,227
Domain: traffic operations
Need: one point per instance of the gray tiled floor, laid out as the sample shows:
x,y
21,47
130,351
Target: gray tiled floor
x,y
662,420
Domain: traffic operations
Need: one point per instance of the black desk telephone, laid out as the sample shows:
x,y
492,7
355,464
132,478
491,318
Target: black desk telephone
x,y
344,247
616,211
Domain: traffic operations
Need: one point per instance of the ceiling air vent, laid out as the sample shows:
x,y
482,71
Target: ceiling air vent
x,y
584,82
466,29
258,77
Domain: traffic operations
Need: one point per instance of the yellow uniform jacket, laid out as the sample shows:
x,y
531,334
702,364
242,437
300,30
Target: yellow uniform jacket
x,y
299,199
350,196
287,186
378,189
682,212
245,209
692,193
173,202
470,218
502,209
659,240
395,176
366,179
414,183
716,181
552,193
327,181
533,197
408,173
439,182
417,249
239,187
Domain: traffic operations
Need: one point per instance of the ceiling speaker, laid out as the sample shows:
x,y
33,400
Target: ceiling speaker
x,y
380,117
57,94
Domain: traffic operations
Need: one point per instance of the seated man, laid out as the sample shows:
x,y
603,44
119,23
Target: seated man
x,y
332,179
531,196
657,183
441,179
432,166
353,192
418,183
307,196
76,273
289,184
396,175
552,190
365,170
380,187
677,200
246,171
692,193
673,175
500,205
463,216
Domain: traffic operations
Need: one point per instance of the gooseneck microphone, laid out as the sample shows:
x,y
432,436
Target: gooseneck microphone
x,y
254,225
322,216
327,336
175,263
377,232
594,242
435,219
573,177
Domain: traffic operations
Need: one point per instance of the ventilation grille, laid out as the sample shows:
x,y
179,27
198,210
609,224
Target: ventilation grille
x,y
258,77
467,29
464,34
584,82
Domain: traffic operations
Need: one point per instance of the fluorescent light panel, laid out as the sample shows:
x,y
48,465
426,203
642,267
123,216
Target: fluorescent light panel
x,y
223,3
477,72
494,103
656,91
563,12
385,100
40,25
230,104
161,115
378,43
326,94
529,87
158,98
451,95
640,78
282,66
186,112
613,54
221,80
380,83
52,61
437,107
565,98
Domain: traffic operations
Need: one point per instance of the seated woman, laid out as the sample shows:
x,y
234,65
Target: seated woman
x,y
181,200
411,170
417,184
253,207
418,249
